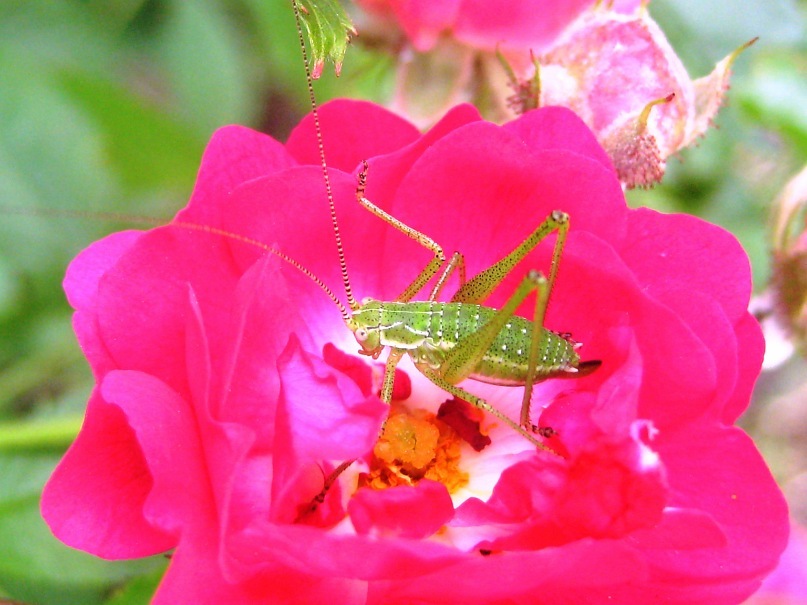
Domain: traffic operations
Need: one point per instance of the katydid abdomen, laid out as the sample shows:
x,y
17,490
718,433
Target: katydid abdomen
x,y
428,330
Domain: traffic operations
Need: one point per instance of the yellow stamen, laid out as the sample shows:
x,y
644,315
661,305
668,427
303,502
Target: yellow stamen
x,y
416,445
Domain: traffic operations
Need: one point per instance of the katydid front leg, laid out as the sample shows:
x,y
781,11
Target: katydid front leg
x,y
457,263
434,264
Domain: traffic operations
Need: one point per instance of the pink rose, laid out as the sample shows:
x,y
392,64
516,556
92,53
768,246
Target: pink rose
x,y
226,392
483,24
609,62
620,74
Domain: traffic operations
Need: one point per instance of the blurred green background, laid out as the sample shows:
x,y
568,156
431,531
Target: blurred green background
x,y
107,106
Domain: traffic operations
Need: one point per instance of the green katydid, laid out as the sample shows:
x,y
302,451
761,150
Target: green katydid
x,y
449,342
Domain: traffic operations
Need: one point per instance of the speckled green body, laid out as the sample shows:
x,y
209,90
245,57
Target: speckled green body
x,y
427,330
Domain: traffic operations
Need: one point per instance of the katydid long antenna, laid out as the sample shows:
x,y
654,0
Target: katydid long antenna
x,y
323,163
156,222
281,255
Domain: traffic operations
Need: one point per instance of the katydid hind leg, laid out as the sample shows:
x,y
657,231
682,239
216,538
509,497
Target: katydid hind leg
x,y
461,360
541,301
482,285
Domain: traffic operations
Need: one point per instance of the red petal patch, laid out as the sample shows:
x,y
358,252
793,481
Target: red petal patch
x,y
465,420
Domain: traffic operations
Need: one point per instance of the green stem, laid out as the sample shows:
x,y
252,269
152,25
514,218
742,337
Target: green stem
x,y
38,434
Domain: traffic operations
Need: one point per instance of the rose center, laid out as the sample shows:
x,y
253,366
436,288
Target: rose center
x,y
415,445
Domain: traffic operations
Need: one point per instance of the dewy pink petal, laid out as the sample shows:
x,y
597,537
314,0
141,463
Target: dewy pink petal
x,y
306,433
226,444
612,490
195,576
388,170
750,351
355,131
523,495
707,320
268,210
367,377
680,529
719,470
558,129
591,268
86,270
648,249
387,166
611,486
472,170
319,553
304,379
81,285
245,371
580,572
158,325
247,368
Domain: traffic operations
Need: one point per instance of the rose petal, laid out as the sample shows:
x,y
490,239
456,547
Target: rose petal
x,y
86,270
235,154
167,431
354,131
407,512
719,470
95,499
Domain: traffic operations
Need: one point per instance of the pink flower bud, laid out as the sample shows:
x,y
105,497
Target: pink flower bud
x,y
620,74
789,277
610,63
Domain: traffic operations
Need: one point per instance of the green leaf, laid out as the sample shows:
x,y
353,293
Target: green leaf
x,y
149,148
35,567
703,31
137,592
329,30
211,81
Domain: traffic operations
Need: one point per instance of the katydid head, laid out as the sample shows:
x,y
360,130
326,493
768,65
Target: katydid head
x,y
365,323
